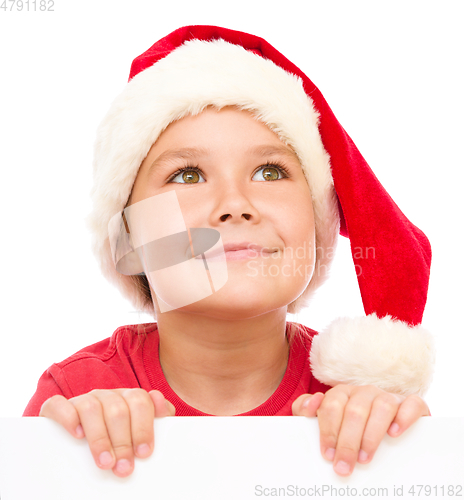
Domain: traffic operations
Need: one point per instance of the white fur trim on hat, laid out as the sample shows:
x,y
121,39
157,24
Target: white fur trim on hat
x,y
193,76
384,352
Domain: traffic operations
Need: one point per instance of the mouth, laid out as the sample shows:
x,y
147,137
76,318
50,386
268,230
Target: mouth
x,y
238,251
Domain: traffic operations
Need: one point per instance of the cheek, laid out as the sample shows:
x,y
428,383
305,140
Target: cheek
x,y
299,235
298,222
290,269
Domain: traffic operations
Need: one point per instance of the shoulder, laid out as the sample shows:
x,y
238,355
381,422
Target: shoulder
x,y
115,362
125,340
109,364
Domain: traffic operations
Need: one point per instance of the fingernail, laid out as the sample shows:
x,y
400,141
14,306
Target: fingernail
x,y
330,453
79,431
143,450
363,456
105,458
123,466
306,402
342,468
394,428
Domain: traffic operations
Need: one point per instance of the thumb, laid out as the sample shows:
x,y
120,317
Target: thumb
x,y
307,405
171,408
163,407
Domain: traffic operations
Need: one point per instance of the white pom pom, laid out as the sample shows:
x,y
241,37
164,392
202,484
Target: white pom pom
x,y
383,352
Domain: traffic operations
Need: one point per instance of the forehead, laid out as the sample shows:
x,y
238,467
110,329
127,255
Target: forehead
x,y
228,127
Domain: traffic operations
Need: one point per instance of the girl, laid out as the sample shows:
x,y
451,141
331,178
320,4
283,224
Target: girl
x,y
222,180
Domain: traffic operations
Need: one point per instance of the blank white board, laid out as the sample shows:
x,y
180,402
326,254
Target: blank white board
x,y
235,458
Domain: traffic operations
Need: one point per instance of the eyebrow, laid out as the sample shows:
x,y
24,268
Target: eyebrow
x,y
192,153
177,154
271,149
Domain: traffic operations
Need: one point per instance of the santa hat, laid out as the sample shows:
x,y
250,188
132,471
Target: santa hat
x,y
199,66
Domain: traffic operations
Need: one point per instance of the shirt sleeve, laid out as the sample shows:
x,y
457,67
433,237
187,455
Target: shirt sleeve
x,y
80,375
46,388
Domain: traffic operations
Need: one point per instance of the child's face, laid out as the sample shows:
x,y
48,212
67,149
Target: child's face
x,y
234,192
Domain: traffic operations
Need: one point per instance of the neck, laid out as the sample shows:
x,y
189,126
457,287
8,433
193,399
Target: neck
x,y
223,366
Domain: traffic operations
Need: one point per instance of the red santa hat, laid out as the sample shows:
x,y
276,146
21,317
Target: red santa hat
x,y
199,66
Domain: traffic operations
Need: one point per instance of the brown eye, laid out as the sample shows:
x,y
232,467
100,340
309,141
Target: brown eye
x,y
190,176
187,175
270,174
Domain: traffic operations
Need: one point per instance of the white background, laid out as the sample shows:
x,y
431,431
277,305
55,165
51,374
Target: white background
x,y
391,72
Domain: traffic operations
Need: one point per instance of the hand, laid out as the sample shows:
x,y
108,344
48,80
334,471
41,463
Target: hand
x,y
354,419
118,423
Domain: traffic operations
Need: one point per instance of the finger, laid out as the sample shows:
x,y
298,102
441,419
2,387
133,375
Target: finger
x,y
142,414
355,417
307,405
409,411
59,409
171,408
90,412
118,423
163,407
330,416
383,411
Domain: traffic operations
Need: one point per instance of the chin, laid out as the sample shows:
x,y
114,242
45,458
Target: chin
x,y
231,309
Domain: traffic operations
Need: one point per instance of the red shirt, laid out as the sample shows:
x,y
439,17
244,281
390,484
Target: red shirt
x,y
131,360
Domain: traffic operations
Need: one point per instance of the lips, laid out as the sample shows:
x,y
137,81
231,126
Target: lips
x,y
236,247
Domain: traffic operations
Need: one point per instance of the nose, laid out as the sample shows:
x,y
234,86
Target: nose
x,y
234,204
